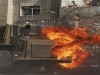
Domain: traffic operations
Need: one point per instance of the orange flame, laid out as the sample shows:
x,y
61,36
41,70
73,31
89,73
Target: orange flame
x,y
69,43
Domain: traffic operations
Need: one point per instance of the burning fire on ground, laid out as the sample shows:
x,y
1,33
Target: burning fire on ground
x,y
69,43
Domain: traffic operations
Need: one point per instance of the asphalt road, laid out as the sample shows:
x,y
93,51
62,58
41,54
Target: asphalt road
x,y
38,69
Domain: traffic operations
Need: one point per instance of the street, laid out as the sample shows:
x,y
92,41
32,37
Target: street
x,y
38,69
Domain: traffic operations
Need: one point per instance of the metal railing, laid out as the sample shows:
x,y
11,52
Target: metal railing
x,y
42,22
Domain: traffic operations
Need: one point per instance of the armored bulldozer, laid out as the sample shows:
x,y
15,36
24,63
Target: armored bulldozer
x,y
27,45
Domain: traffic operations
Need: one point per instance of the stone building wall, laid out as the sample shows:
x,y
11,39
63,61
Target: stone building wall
x,y
45,9
16,10
3,11
50,9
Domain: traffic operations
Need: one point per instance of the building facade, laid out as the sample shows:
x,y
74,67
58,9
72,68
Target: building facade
x,y
3,11
20,11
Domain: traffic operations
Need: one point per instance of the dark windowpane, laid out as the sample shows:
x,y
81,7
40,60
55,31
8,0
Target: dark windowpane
x,y
36,11
27,10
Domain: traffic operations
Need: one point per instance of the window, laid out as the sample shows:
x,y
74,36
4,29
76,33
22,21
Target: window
x,y
27,10
36,10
